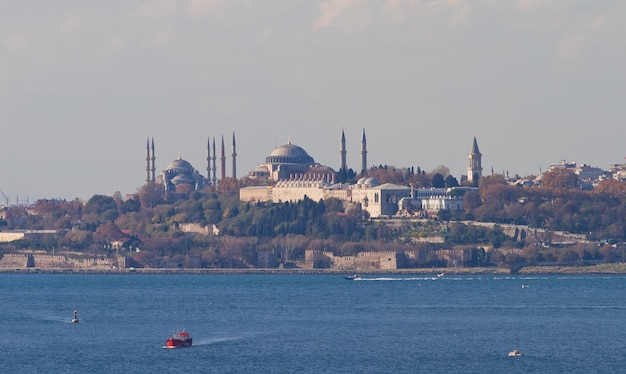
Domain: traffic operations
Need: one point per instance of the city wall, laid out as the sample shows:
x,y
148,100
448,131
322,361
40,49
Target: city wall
x,y
44,261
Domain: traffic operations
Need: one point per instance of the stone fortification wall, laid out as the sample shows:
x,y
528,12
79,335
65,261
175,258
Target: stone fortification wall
x,y
13,261
363,261
376,261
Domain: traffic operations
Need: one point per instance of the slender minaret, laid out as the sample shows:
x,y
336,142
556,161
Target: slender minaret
x,y
223,161
213,158
342,152
208,158
148,160
234,158
153,169
474,169
363,154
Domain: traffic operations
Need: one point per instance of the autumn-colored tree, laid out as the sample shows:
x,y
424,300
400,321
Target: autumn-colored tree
x,y
151,194
471,201
611,188
560,179
388,174
108,232
487,182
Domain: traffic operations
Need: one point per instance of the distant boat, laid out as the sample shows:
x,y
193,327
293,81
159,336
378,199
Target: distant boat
x,y
441,275
179,340
515,353
525,286
352,277
75,319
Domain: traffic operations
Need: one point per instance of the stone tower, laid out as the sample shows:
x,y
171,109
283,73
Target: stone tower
x,y
474,168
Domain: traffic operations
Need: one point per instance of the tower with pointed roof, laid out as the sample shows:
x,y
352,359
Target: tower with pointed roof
x,y
223,161
214,168
363,154
234,155
208,158
153,159
148,160
474,169
150,168
342,152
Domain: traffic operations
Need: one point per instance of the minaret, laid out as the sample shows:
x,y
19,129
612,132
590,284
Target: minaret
x,y
474,169
208,158
234,158
363,154
223,160
342,152
213,158
153,169
148,160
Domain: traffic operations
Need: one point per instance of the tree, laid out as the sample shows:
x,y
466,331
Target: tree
x,y
438,181
99,204
151,194
451,181
560,179
471,201
108,233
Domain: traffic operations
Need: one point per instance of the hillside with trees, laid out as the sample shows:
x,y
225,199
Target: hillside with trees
x,y
526,225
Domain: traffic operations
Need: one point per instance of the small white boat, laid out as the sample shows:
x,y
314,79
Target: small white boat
x,y
440,275
525,286
515,353
75,319
352,277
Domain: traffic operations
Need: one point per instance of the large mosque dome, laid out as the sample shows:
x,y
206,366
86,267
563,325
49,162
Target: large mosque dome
x,y
289,154
179,166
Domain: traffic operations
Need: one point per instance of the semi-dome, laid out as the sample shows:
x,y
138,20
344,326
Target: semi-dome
x,y
372,182
182,178
289,154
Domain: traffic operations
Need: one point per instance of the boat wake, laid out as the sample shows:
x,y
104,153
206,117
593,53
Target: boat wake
x,y
388,279
217,340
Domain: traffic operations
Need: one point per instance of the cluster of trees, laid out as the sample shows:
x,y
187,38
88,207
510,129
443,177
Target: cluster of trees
x,y
266,234
559,205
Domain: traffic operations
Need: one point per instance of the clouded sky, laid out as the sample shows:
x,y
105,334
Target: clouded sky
x,y
84,83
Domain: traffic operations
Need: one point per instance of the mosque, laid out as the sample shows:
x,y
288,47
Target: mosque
x,y
286,162
296,175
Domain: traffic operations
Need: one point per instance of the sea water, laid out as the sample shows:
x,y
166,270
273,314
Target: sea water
x,y
312,323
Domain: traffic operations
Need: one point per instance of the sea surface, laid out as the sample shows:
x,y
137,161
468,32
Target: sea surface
x,y
312,323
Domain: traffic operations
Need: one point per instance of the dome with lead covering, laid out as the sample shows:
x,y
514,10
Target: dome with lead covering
x,y
289,154
180,166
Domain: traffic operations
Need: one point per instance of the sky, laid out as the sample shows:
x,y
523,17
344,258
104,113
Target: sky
x,y
83,84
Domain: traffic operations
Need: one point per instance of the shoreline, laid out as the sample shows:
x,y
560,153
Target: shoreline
x,y
600,269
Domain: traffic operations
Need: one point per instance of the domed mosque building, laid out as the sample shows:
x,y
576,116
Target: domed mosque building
x,y
179,176
291,162
180,172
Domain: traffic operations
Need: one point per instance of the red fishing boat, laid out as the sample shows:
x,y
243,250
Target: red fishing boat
x,y
179,340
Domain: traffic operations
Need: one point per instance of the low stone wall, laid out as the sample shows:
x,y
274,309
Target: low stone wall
x,y
14,261
21,260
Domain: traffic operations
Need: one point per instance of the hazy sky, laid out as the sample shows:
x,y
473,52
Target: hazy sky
x,y
84,83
